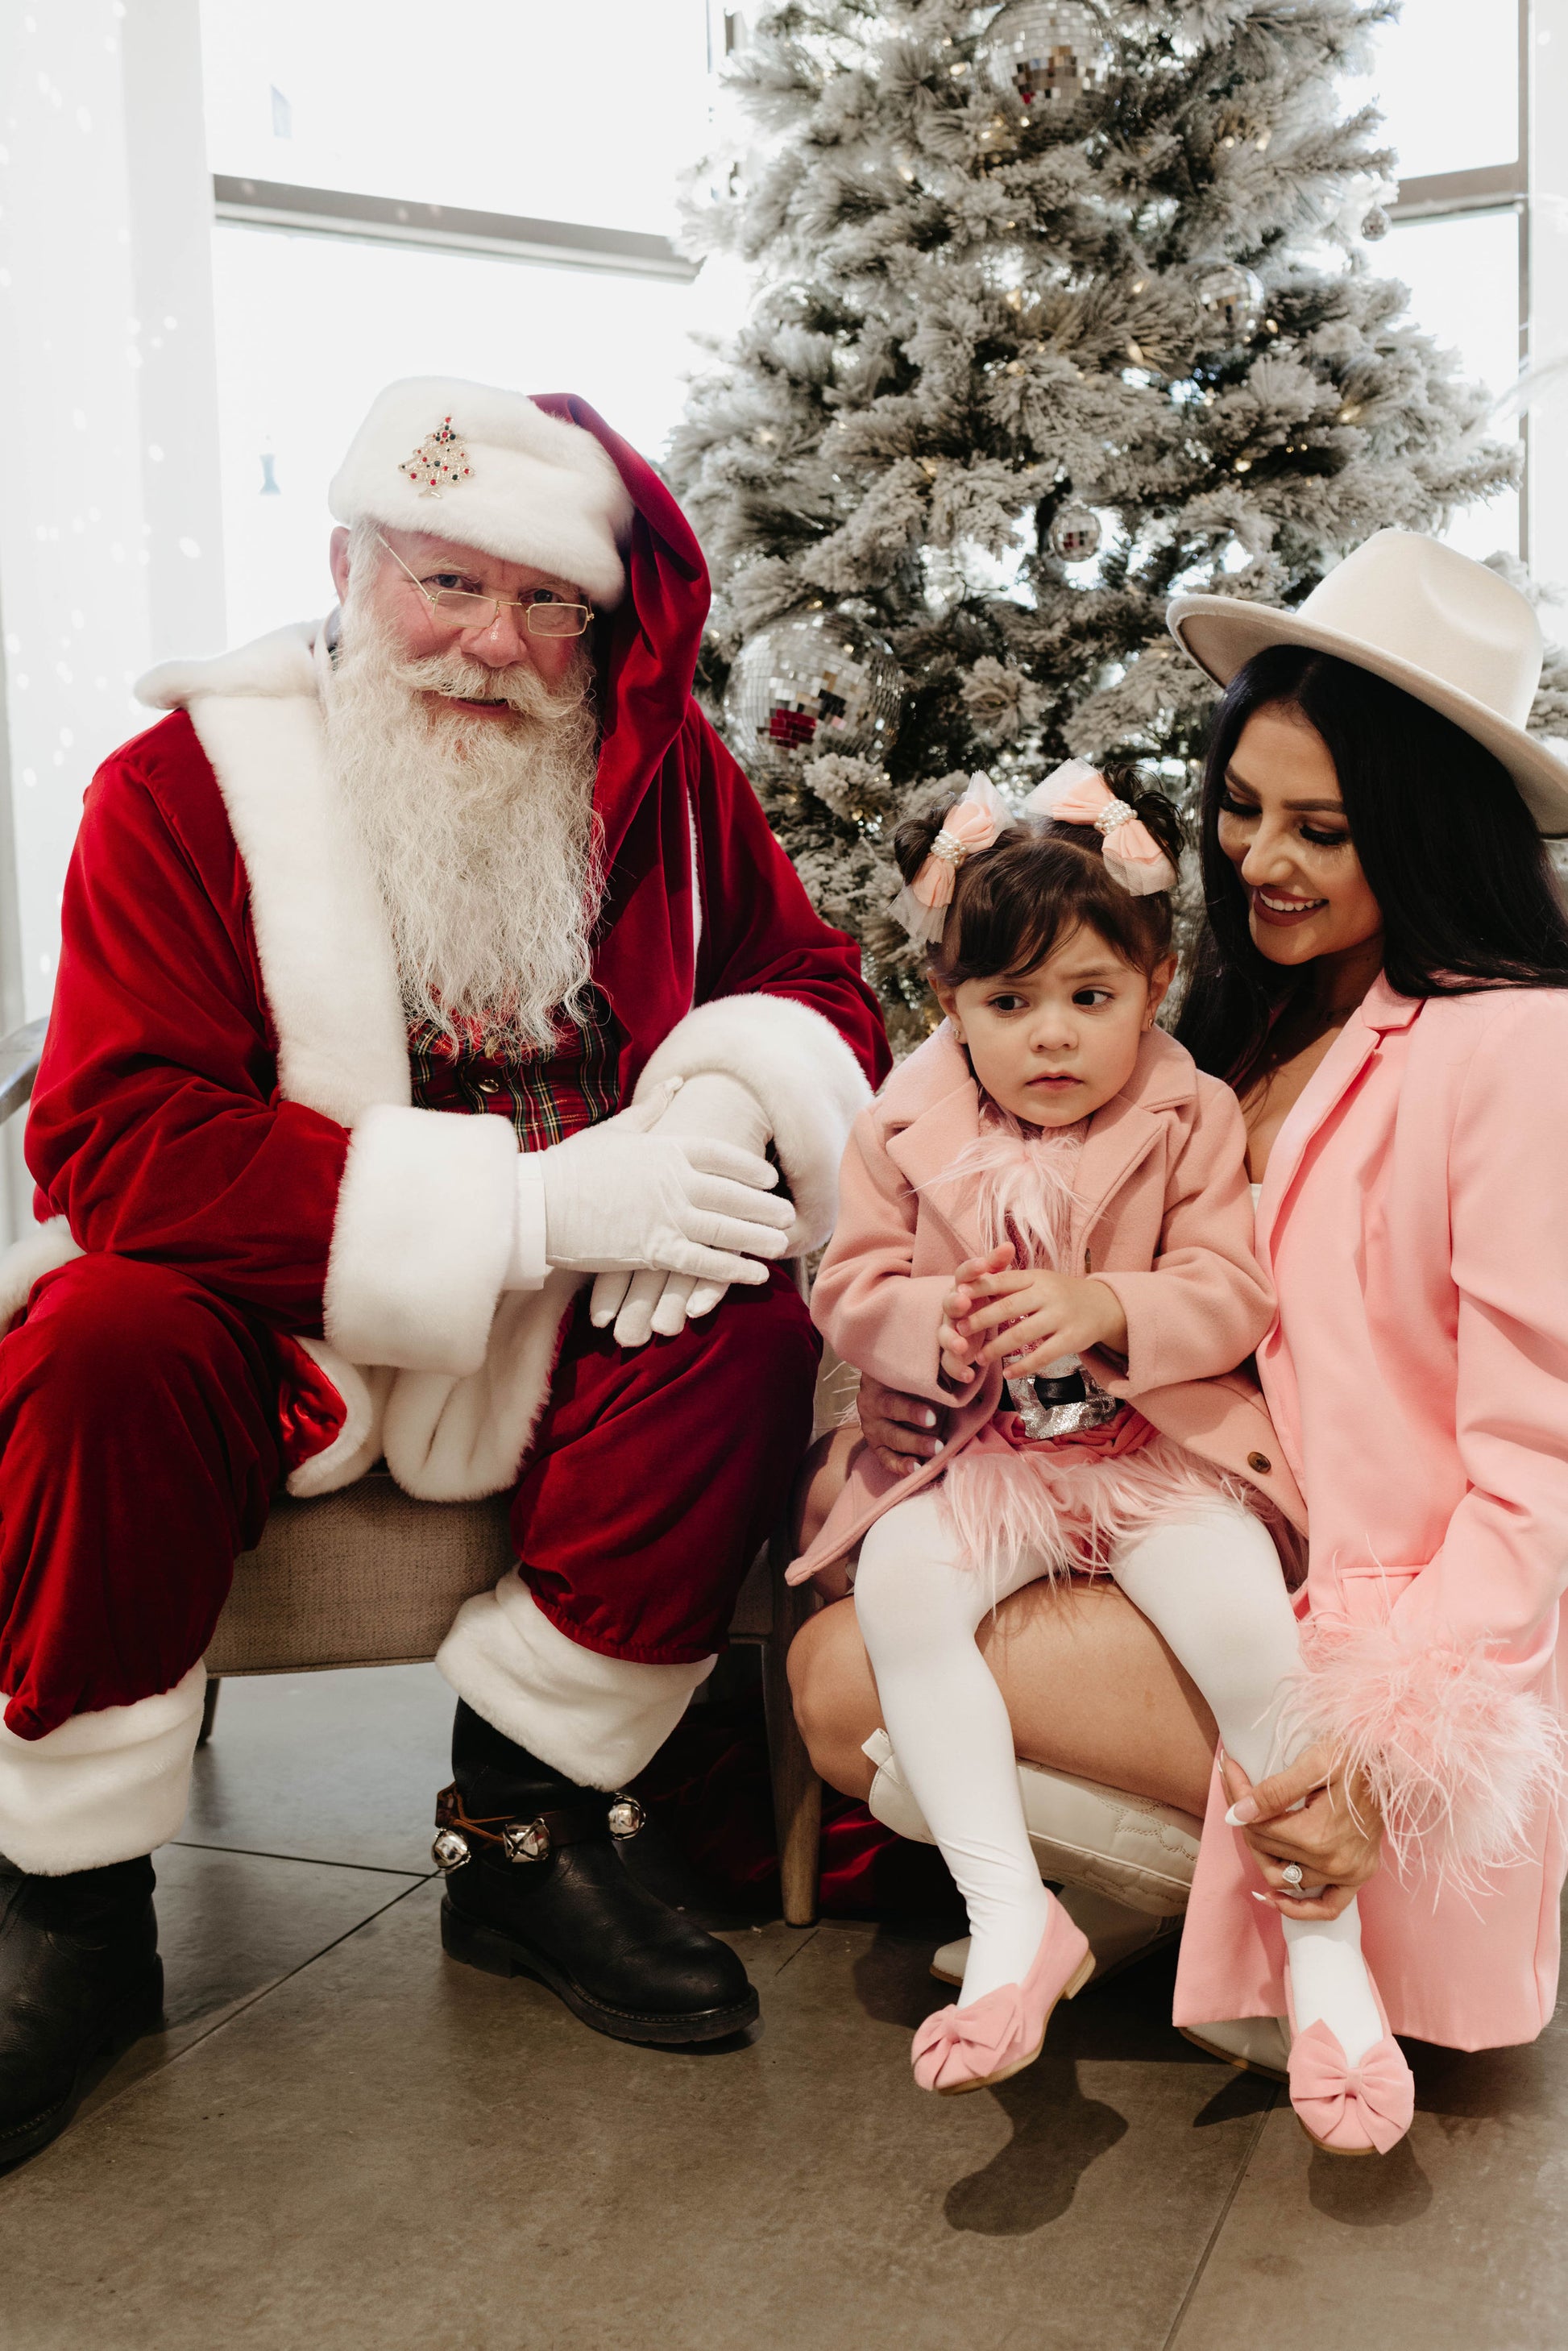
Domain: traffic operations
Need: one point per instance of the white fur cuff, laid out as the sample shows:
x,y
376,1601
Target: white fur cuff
x,y
1458,1758
809,1084
103,1787
424,1234
596,1719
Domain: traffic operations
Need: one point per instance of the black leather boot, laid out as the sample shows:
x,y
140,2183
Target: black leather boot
x,y
534,1887
80,1979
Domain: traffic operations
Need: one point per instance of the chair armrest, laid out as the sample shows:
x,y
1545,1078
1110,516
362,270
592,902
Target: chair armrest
x,y
19,1056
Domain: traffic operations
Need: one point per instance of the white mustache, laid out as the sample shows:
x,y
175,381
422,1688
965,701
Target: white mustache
x,y
457,678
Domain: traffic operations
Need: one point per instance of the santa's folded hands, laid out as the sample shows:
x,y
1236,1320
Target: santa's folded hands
x,y
628,1196
713,1107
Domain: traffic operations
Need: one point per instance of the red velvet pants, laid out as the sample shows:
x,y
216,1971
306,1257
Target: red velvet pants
x,y
140,1447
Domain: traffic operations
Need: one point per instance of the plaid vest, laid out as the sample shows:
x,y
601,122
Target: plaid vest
x,y
546,1095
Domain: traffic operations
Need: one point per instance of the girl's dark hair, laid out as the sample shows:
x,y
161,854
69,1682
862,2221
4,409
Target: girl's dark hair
x,y
1450,850
1012,902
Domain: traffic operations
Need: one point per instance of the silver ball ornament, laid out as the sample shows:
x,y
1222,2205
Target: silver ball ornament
x,y
1376,224
1049,54
1074,534
1231,298
810,682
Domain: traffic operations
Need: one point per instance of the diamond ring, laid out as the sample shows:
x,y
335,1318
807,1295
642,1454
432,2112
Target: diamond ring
x,y
1292,1874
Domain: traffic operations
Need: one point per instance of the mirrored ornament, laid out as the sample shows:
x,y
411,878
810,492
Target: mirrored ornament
x,y
1051,54
626,1817
1376,224
812,682
1231,298
1074,534
450,1851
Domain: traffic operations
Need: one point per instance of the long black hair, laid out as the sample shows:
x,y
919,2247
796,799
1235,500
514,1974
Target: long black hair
x,y
1450,850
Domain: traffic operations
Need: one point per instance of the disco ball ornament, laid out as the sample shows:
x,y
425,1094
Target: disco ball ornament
x,y
812,682
1051,54
1376,224
1074,534
1231,298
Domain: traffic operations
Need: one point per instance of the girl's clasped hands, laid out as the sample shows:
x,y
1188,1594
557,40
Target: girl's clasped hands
x,y
999,1311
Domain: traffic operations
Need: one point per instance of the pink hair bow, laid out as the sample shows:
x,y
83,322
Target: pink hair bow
x,y
975,822
1078,794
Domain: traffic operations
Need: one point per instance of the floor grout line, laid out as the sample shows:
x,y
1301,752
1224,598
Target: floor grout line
x,y
232,2015
1220,2219
807,1935
311,1860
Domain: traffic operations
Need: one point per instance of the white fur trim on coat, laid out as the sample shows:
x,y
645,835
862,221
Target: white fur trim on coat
x,y
103,1787
1458,1758
43,1250
538,490
322,930
422,1239
810,1087
596,1719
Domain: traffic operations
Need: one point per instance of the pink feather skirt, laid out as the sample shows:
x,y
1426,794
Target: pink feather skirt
x,y
1070,1501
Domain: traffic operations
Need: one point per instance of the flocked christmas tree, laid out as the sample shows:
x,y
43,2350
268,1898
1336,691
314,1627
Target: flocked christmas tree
x,y
1058,306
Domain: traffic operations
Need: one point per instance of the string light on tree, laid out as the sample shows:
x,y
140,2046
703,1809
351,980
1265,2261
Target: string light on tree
x,y
1049,54
1231,298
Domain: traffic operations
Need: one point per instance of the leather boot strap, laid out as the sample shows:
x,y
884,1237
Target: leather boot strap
x,y
515,1839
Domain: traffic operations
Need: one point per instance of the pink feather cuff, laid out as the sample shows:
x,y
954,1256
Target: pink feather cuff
x,y
1459,1761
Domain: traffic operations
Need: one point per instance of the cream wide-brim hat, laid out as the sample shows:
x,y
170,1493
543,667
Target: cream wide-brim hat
x,y
1437,623
522,484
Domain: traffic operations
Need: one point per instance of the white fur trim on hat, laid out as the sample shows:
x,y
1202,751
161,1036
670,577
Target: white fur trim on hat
x,y
527,486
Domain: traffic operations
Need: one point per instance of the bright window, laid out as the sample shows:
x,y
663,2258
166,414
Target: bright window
x,y
1447,79
310,327
1463,276
586,110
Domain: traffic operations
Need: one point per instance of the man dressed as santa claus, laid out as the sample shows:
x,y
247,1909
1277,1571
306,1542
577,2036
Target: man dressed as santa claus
x,y
445,1059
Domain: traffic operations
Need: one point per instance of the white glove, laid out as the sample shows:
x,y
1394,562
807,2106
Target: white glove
x,y
722,1110
618,1197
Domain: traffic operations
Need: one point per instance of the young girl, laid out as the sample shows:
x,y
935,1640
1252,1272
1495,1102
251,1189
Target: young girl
x,y
1046,1226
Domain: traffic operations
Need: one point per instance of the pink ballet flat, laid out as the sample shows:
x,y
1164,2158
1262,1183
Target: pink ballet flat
x,y
1361,2109
961,2049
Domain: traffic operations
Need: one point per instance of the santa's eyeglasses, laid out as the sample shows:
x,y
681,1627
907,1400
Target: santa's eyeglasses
x,y
544,614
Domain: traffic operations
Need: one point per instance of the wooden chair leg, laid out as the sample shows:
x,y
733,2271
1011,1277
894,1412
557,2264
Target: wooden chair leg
x,y
797,1791
209,1709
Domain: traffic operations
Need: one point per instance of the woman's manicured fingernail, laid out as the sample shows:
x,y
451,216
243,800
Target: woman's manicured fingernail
x,y
1256,1897
1243,1814
927,1420
940,1445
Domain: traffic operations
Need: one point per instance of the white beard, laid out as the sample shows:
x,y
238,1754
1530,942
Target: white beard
x,y
482,835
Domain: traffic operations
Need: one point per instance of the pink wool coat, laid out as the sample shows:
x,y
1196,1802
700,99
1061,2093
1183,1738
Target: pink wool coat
x,y
1416,1225
1167,1223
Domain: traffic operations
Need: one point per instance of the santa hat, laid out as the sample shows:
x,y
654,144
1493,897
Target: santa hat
x,y
487,468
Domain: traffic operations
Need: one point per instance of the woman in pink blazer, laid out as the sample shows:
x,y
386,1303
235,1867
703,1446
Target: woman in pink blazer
x,y
1385,981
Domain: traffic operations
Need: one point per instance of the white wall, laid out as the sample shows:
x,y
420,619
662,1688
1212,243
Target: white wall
x,y
1549,302
111,553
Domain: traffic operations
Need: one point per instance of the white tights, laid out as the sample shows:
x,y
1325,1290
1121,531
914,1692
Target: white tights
x,y
1209,1583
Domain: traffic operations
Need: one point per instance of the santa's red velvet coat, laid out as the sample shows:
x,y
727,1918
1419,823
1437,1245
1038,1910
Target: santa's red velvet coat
x,y
225,1089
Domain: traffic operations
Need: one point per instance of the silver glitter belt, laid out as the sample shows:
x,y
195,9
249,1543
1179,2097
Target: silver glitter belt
x,y
1061,1400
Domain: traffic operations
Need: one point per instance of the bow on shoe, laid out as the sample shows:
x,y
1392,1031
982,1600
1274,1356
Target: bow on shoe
x,y
1368,2106
968,2041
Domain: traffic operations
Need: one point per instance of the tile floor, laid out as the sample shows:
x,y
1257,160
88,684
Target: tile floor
x,y
341,2140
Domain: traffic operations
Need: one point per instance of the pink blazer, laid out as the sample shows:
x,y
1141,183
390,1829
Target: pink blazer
x,y
1167,1226
1415,1221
